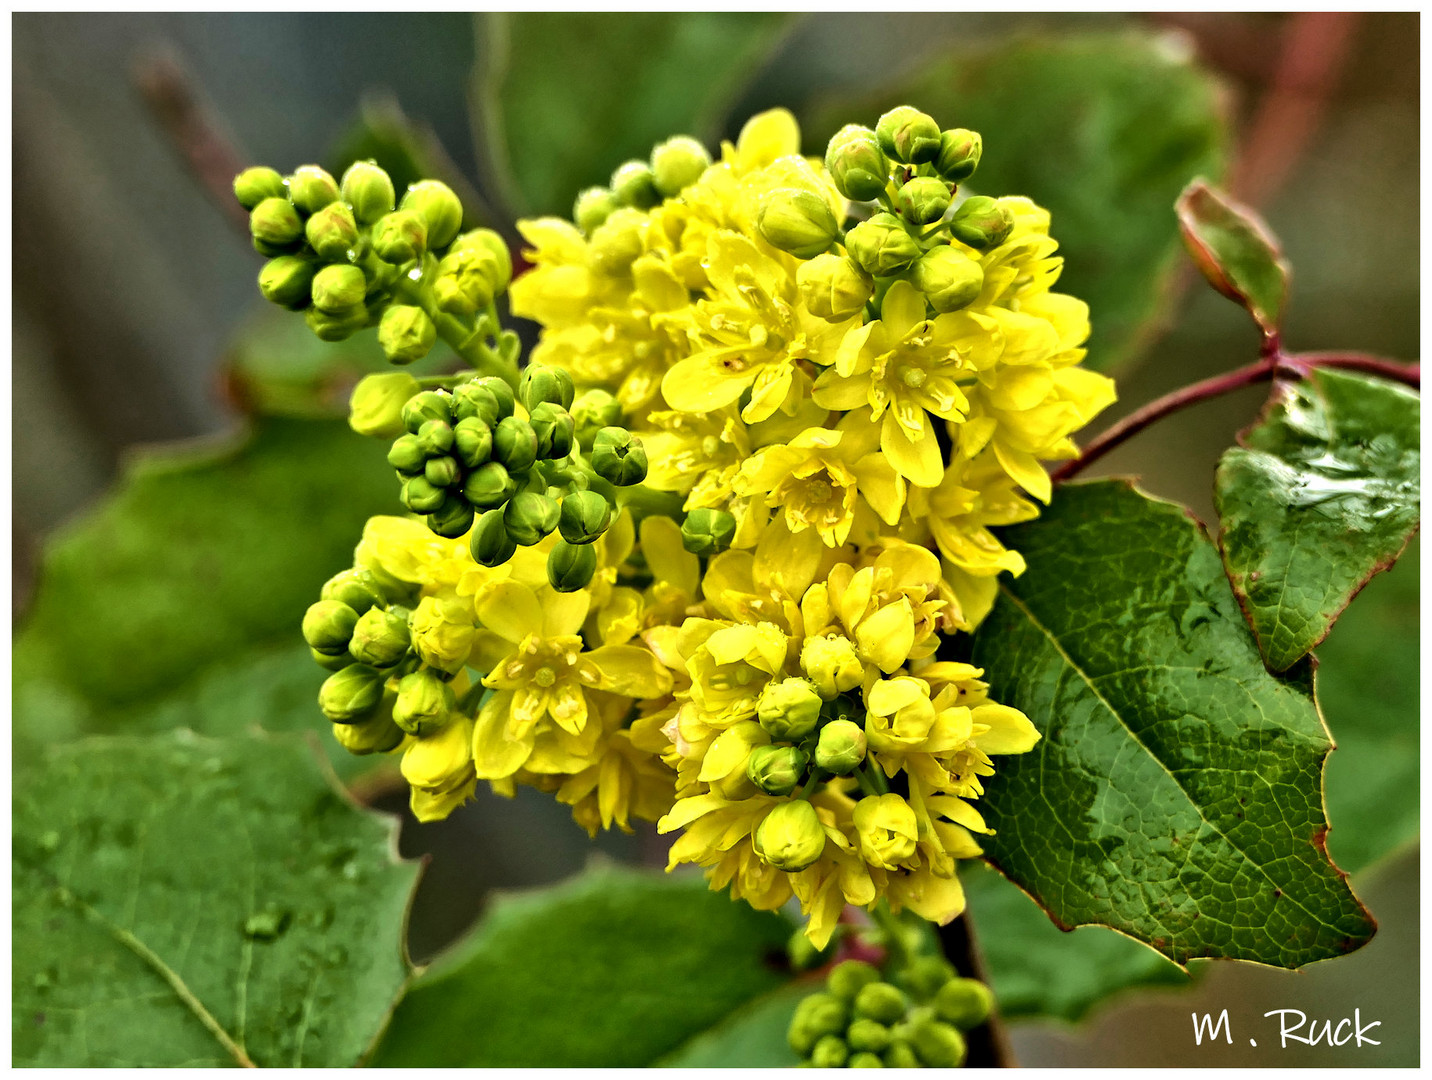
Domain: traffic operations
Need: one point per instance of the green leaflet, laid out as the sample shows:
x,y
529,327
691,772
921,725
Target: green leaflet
x,y
752,1037
1101,129
1177,792
184,901
562,99
614,968
1323,494
1235,251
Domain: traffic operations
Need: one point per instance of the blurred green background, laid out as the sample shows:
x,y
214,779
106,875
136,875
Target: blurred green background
x,y
136,322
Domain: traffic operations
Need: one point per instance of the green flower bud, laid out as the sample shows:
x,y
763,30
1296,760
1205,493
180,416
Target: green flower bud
x,y
634,184
555,430
464,283
492,250
336,326
790,837
435,437
489,543
981,222
591,411
530,516
923,200
332,232
506,399
948,278
406,333
350,694
617,241
275,226
428,405
453,518
425,703
571,566
797,221
584,517
881,246
593,206
311,188
864,1059
375,735
400,237
380,638
707,532
543,383
339,289
514,444
440,209
833,287
618,457
815,1017
880,1001
938,1045
856,163
776,770
357,588
867,1034
829,1052
332,661
832,664
287,281
908,135
806,957
376,407
966,1003
488,486
924,977
677,164
789,710
442,472
253,186
900,1055
959,155
472,400
841,748
849,977
472,442
369,190
421,497
328,625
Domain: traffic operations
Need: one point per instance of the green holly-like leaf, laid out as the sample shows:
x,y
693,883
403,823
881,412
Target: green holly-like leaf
x,y
1322,495
1235,251
189,901
1176,794
614,968
1035,969
562,99
752,1037
1103,130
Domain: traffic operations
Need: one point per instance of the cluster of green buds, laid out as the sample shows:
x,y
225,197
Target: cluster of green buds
x,y
862,1021
362,630
637,186
907,171
350,255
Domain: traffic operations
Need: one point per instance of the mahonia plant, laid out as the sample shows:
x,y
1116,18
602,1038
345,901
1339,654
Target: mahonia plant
x,y
695,560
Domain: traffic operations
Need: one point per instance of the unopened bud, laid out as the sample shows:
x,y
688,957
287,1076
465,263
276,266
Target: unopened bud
x,y
332,232
966,1003
900,1055
530,516
425,703
571,566
634,184
375,735
406,333
959,155
789,710
923,200
400,237
881,246
489,486
585,515
776,770
463,284
849,977
435,437
514,444
555,431
617,242
880,1001
868,1035
707,532
421,497
472,442
442,472
856,163
489,543
380,638
253,186
981,222
618,457
440,209
797,221
815,1017
376,405
351,694
357,588
833,287
925,975
591,411
504,395
949,279
545,383
339,289
328,626
493,254
336,326
593,206
841,748
939,1046
288,281
829,1052
453,518
790,837
908,135
428,405
332,661
369,189
311,188
472,400
677,164
275,226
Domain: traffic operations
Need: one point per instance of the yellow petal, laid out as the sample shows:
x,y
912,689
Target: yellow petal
x,y
918,461
511,610
1010,731
494,755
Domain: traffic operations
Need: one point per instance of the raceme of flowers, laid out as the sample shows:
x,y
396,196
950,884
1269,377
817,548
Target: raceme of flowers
x,y
696,564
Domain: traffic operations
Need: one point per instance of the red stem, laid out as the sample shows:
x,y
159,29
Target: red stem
x,y
1296,365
